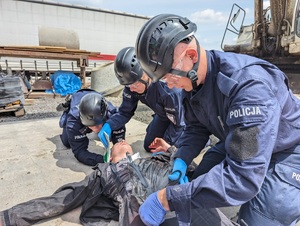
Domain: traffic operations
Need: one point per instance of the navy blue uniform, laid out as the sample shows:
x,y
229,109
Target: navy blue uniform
x,y
74,132
168,120
247,104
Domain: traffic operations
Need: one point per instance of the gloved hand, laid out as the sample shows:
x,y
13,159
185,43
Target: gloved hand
x,y
105,129
151,211
178,172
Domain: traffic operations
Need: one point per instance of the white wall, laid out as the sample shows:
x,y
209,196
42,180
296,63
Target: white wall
x,y
98,31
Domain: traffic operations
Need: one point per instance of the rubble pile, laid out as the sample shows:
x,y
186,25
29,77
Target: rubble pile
x,y
45,107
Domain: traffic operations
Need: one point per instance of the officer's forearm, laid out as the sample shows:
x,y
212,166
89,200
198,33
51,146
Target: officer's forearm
x,y
162,197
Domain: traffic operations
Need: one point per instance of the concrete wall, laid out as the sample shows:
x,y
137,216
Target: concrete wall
x,y
98,30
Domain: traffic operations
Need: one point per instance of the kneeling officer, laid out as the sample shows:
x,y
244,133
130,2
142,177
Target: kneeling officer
x,y
86,112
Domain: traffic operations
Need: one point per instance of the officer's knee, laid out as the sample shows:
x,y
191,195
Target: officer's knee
x,y
146,146
65,142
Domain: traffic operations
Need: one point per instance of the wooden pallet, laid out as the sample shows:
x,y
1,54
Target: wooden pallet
x,y
51,49
16,108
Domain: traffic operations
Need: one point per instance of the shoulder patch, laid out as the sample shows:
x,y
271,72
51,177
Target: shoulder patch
x,y
127,95
246,113
171,117
78,137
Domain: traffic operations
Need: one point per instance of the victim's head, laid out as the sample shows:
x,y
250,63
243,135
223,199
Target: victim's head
x,y
119,150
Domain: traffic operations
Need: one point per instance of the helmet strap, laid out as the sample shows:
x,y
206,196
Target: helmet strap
x,y
192,74
146,84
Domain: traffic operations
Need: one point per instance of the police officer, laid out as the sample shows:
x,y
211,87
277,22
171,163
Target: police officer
x,y
167,122
244,101
87,112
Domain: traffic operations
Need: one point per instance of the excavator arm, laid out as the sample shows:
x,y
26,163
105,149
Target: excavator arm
x,y
273,36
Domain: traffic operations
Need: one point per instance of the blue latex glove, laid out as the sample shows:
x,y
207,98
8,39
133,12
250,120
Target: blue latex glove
x,y
105,129
151,211
178,172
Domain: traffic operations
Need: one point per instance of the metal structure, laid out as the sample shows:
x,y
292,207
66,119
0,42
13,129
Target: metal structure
x,y
80,57
49,23
273,36
29,22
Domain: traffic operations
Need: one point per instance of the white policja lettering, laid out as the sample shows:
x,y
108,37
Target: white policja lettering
x,y
248,111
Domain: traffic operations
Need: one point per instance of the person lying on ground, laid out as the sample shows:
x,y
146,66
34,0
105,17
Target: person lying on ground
x,y
114,191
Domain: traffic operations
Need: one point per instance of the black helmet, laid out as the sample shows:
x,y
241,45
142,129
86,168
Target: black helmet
x,y
93,109
156,42
127,68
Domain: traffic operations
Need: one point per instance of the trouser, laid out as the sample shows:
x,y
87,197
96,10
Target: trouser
x,y
72,195
278,201
156,128
66,198
64,138
204,217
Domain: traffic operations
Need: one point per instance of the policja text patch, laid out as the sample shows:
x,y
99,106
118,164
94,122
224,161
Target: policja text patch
x,y
246,113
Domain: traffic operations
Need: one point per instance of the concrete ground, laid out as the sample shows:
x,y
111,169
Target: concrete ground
x,y
34,163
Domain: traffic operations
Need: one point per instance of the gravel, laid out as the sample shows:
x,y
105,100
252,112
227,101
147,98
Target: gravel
x,y
45,107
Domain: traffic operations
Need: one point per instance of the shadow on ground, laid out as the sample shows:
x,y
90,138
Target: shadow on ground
x,y
65,157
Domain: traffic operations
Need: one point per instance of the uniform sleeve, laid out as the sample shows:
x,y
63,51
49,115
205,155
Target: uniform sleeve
x,y
173,109
194,137
79,143
125,112
253,121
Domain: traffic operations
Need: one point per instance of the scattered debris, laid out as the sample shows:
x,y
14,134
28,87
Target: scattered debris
x,y
11,94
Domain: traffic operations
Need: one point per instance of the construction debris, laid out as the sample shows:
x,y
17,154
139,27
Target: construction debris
x,y
29,51
11,94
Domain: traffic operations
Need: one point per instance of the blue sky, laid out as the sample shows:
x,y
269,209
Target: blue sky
x,y
211,16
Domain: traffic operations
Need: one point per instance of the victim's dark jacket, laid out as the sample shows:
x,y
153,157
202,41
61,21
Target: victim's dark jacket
x,y
112,191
